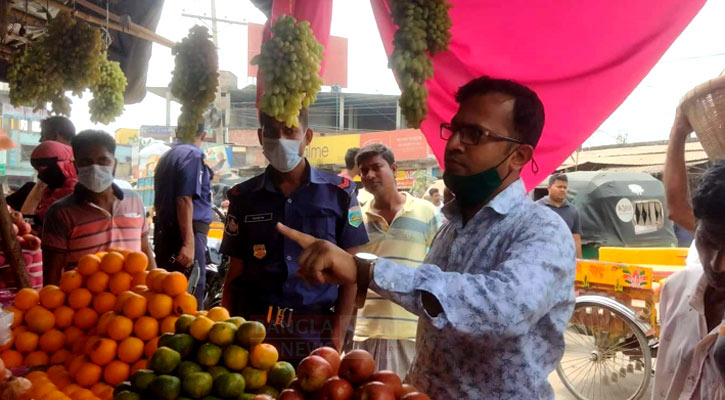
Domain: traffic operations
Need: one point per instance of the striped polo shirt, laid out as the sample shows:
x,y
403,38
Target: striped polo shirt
x,y
76,227
405,241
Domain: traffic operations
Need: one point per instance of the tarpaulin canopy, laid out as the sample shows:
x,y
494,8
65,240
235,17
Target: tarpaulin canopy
x,y
583,58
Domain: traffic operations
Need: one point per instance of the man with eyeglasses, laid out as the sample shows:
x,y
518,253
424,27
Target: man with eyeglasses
x,y
495,292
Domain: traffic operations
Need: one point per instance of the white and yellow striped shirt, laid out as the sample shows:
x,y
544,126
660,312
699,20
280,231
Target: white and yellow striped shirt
x,y
405,241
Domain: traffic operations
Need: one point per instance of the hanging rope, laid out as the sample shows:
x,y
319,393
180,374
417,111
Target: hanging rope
x,y
105,34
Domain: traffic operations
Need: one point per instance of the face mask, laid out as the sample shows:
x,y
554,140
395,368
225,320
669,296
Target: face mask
x,y
52,176
283,154
474,189
96,178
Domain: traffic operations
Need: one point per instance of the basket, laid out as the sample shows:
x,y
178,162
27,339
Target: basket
x,y
704,107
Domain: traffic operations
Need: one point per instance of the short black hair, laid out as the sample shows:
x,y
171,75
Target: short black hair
x,y
303,119
528,108
376,149
707,203
433,191
350,157
92,137
59,125
557,177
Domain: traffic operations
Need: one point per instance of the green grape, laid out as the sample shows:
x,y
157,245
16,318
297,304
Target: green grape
x,y
289,65
423,28
195,79
107,102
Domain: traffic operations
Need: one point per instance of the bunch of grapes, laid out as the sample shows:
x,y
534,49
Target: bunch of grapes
x,y
423,27
289,64
107,102
195,79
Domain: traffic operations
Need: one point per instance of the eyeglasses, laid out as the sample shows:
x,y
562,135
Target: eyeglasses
x,y
472,134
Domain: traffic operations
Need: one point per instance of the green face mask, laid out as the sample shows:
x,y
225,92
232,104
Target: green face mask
x,y
474,189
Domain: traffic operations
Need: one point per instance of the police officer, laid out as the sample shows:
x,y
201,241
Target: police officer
x,y
261,283
183,210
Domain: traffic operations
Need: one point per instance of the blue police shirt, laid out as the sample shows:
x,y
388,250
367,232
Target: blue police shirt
x,y
181,172
324,207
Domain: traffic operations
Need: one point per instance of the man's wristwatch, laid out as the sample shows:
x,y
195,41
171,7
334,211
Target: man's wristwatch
x,y
364,263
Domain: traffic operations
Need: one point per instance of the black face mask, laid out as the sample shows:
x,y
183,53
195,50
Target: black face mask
x,y
52,176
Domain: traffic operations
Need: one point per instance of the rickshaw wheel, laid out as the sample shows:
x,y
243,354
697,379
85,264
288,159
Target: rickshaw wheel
x,y
607,355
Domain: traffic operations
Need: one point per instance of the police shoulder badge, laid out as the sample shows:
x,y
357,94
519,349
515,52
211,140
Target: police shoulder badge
x,y
354,216
231,228
259,251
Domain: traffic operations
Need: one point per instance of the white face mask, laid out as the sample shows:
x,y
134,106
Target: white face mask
x,y
283,154
96,178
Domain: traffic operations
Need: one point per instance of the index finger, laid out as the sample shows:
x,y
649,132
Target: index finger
x,y
302,239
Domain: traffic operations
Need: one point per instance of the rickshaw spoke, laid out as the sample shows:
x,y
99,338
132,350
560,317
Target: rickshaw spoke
x,y
586,373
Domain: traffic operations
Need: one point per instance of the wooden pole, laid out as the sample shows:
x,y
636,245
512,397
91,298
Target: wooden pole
x,y
11,247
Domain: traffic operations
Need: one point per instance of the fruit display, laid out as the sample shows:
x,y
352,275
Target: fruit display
x,y
22,229
423,30
195,79
32,256
12,387
289,64
69,57
212,356
323,375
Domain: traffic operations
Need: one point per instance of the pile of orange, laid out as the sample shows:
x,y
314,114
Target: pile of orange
x,y
57,384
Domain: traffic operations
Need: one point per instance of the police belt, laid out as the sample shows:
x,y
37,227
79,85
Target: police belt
x,y
285,316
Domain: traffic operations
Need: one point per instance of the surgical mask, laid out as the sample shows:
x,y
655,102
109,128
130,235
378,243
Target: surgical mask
x,y
52,176
283,154
96,178
475,189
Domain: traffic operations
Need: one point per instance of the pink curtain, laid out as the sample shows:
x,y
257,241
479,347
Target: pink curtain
x,y
583,58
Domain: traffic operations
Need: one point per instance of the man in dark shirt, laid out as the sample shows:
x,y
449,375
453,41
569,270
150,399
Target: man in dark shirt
x,y
557,202
183,209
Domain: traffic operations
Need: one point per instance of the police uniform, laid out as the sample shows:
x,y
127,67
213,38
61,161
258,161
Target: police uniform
x,y
298,315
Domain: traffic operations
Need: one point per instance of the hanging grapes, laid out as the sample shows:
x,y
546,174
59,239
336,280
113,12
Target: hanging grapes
x,y
70,56
423,28
289,64
195,79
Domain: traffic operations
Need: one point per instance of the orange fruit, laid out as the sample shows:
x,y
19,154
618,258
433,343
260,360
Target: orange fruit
x,y
88,375
80,298
160,305
60,356
41,387
19,329
103,321
112,263
68,390
63,317
140,364
116,372
85,318
17,315
26,298
101,254
104,302
168,324
89,344
98,282
151,347
120,327
36,358
134,306
83,394
12,358
175,284
139,289
120,282
103,351
185,303
153,274
130,349
139,278
100,387
51,297
72,334
263,356
136,262
75,364
146,328
27,341
217,314
51,341
121,300
88,264
70,280
157,282
39,319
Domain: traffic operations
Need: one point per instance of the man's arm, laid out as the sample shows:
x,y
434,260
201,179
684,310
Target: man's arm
x,y
53,264
677,189
236,267
185,213
344,308
146,249
578,244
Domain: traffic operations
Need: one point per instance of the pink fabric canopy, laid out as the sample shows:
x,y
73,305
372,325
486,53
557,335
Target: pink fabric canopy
x,y
583,58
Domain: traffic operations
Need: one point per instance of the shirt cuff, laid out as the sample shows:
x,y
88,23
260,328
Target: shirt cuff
x,y
392,278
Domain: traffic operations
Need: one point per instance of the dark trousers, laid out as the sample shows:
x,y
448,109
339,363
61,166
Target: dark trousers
x,y
164,251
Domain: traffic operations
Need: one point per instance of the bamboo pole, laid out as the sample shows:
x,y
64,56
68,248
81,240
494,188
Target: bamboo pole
x,y
11,247
102,12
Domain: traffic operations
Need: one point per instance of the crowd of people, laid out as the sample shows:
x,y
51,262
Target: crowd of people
x,y
468,295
